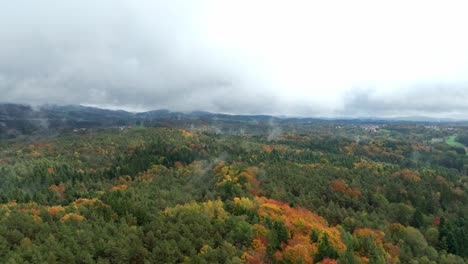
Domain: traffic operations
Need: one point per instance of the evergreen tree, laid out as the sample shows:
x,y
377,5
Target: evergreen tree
x,y
325,250
418,219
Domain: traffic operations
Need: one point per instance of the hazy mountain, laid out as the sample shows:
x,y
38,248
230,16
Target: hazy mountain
x,y
24,119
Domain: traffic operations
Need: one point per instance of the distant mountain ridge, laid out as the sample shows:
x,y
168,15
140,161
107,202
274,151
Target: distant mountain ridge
x,y
20,118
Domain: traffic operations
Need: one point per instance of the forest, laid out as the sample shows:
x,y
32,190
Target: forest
x,y
236,192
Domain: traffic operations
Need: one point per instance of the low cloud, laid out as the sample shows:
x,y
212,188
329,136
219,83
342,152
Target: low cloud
x,y
439,100
143,55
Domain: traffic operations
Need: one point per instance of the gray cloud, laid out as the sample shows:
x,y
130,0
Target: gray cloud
x,y
63,54
438,100
152,55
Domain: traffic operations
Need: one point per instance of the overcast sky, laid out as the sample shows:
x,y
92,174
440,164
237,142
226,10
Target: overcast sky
x,y
306,58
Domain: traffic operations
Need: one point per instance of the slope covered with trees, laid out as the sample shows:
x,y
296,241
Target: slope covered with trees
x,y
292,193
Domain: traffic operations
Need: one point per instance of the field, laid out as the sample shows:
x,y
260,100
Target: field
x,y
385,130
451,140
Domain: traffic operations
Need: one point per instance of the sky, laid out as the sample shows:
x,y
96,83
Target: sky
x,y
294,58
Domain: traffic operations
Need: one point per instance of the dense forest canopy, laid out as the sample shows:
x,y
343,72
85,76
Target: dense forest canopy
x,y
236,192
277,132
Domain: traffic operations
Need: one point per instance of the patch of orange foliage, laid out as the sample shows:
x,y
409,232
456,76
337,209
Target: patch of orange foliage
x,y
33,211
35,154
299,221
371,150
350,149
408,175
57,188
80,202
120,187
393,251
299,248
267,148
232,174
282,148
341,186
443,180
299,253
50,170
354,193
186,133
9,205
178,165
258,243
329,261
364,260
363,165
257,250
255,257
29,208
377,235
73,216
54,210
84,201
219,166
338,185
396,227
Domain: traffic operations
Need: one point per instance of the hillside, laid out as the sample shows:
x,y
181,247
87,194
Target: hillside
x,y
288,193
17,120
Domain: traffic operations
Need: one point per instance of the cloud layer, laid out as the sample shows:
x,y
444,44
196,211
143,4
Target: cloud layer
x,y
302,58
